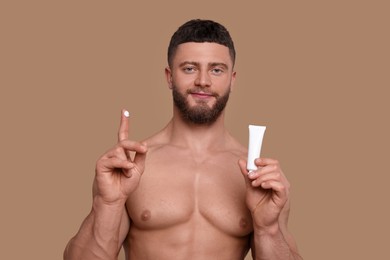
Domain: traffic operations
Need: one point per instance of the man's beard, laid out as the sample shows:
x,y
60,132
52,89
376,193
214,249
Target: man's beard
x,y
201,113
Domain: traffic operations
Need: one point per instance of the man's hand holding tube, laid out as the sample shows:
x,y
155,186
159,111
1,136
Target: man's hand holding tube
x,y
267,192
267,198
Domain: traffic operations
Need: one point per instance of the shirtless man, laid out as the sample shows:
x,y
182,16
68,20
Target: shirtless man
x,y
185,193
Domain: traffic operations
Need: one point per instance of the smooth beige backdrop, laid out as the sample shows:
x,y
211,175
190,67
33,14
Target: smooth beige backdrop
x,y
316,73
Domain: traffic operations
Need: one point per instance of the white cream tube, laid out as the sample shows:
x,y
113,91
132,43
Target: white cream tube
x,y
256,134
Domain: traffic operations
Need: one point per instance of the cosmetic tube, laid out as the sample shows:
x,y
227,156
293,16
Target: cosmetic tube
x,y
256,134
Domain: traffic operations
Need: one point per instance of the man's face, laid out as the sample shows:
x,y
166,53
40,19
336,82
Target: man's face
x,y
201,77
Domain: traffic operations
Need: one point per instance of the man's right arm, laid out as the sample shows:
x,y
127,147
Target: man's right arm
x,y
101,234
117,175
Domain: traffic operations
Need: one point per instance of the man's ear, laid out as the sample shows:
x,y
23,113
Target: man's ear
x,y
233,80
168,75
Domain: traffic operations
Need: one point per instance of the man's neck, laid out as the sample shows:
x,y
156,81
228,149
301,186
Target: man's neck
x,y
198,137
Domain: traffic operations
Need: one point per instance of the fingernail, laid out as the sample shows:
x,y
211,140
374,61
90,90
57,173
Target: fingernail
x,y
126,113
251,173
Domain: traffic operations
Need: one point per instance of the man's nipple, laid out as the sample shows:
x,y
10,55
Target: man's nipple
x,y
243,223
146,215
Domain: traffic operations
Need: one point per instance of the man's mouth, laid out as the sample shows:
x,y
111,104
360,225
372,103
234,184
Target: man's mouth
x,y
201,94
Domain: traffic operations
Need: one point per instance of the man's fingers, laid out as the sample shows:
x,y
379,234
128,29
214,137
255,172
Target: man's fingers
x,y
123,132
244,171
123,149
113,163
280,190
140,157
261,162
133,146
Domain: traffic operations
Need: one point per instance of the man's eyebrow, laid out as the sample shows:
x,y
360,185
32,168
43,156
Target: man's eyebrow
x,y
221,64
188,63
211,64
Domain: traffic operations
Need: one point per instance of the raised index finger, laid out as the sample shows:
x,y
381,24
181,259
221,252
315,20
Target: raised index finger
x,y
123,132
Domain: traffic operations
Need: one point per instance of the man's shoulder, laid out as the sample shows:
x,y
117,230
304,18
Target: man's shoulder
x,y
236,148
156,141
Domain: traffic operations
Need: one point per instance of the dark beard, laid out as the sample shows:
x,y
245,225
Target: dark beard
x,y
200,114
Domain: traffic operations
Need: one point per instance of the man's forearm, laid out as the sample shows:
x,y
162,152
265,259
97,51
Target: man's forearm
x,y
99,235
272,244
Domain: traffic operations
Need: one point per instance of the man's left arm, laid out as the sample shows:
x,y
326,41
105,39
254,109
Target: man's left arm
x,y
268,201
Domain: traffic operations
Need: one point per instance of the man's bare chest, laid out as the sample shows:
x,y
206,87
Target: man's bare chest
x,y
182,191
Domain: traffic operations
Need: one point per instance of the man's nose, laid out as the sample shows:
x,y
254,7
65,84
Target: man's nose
x,y
203,79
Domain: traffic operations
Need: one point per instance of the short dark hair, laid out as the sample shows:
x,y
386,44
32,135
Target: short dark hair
x,y
198,30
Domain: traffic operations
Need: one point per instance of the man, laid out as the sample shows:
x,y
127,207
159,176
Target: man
x,y
185,193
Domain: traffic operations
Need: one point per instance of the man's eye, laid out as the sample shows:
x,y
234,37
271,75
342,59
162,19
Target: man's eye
x,y
217,71
189,69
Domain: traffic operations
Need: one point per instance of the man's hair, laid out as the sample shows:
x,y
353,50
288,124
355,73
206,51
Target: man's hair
x,y
198,30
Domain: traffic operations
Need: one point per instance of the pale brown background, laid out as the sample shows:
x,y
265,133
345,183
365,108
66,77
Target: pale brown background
x,y
315,72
